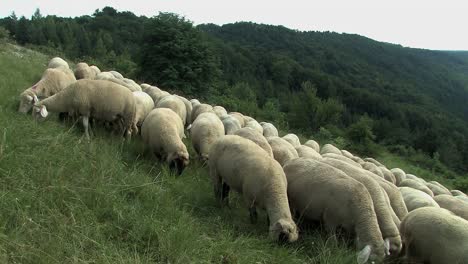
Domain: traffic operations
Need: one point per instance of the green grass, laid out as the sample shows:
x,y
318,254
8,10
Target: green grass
x,y
64,200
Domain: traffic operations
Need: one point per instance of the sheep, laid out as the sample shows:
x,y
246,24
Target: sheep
x,y
102,100
239,117
52,81
457,193
231,124
399,174
307,152
462,198
248,119
205,130
372,160
416,185
199,109
382,207
133,86
329,148
313,144
437,189
435,235
144,86
58,62
317,191
162,132
415,198
194,102
156,93
441,186
95,69
242,165
283,151
117,75
454,205
342,158
347,154
416,178
257,138
188,108
372,168
83,71
269,130
293,140
144,105
175,104
253,124
108,76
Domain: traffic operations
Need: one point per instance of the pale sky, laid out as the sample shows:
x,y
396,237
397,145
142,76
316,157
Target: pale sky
x,y
426,24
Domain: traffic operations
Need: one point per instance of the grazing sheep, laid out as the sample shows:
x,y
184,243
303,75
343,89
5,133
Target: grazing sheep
x,y
416,178
248,119
347,154
205,130
155,93
144,86
372,160
219,111
342,158
194,102
231,124
175,104
95,69
52,81
162,132
83,71
108,76
117,75
454,205
441,186
382,207
437,189
257,138
199,109
293,140
388,175
415,199
329,148
253,124
144,105
462,198
101,100
307,152
436,236
188,108
457,193
242,165
372,168
239,117
283,151
58,62
133,86
416,185
319,192
269,130
313,144
399,174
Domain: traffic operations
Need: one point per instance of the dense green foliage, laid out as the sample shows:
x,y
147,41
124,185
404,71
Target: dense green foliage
x,y
359,92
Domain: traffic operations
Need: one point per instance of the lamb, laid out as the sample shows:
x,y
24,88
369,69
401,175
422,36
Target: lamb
x,y
231,124
435,235
253,124
52,81
415,198
239,117
58,62
219,111
144,105
313,144
437,189
319,192
83,71
188,108
269,130
382,207
162,132
399,174
329,148
199,109
257,138
342,158
293,140
97,99
205,130
454,205
307,152
175,104
240,164
416,185
283,151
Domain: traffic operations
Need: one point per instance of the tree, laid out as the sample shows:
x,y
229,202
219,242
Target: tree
x,y
22,33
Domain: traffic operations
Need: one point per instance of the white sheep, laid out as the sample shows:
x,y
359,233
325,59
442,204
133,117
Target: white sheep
x,y
313,144
454,205
257,138
293,140
435,235
437,188
253,124
342,158
132,84
372,160
52,81
108,76
117,75
239,117
307,152
95,69
415,198
101,100
231,124
156,93
174,103
162,131
269,130
240,164
319,192
188,108
347,154
416,185
399,174
194,102
372,168
283,151
414,177
58,62
199,109
205,130
83,71
144,105
457,193
329,148
144,86
219,111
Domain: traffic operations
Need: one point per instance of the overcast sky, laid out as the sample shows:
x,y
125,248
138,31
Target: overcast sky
x,y
426,24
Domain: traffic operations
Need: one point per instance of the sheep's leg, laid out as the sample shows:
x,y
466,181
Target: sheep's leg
x,y
225,194
86,126
253,214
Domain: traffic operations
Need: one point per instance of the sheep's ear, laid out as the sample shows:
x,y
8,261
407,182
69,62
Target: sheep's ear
x,y
30,98
44,112
35,99
364,254
387,246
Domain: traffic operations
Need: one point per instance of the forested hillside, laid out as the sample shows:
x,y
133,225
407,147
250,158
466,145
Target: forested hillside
x,y
360,93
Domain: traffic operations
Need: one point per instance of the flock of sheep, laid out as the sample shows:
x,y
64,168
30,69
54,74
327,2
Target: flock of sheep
x,y
389,212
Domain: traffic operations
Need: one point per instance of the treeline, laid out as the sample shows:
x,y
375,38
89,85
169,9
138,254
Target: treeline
x,y
360,93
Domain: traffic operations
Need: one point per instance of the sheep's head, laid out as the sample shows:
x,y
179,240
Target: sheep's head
x,y
40,112
370,255
27,100
284,230
178,160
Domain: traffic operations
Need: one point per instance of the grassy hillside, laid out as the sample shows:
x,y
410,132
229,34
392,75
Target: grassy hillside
x,y
63,200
